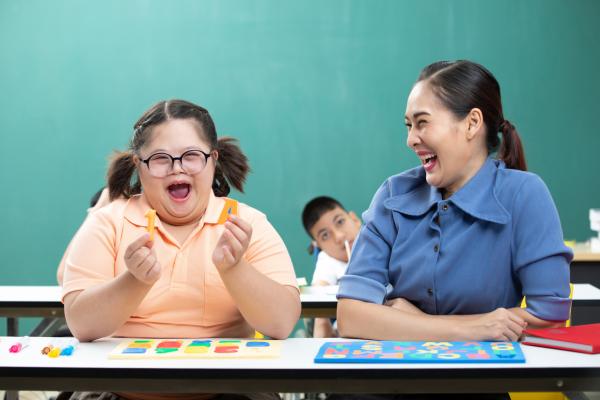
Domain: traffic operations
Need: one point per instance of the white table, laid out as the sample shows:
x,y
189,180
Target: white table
x,y
90,369
586,304
585,267
585,292
317,301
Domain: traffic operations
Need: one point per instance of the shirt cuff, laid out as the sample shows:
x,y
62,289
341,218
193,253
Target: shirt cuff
x,y
361,288
549,308
78,285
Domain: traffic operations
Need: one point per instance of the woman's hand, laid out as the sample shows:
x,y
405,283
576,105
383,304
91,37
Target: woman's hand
x,y
232,244
500,324
141,260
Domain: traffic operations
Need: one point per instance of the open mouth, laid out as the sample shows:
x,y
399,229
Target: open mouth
x,y
179,191
429,162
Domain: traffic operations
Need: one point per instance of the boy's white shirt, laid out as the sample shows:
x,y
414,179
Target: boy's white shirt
x,y
328,269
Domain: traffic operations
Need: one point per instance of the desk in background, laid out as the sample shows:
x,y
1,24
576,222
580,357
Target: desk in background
x,y
317,301
320,301
585,267
89,369
44,301
29,301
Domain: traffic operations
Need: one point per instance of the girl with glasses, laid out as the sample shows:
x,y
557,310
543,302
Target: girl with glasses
x,y
197,277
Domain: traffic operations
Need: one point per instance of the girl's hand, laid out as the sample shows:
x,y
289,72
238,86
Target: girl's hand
x,y
232,244
141,260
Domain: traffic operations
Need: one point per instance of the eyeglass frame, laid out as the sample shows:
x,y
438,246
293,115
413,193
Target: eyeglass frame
x,y
180,159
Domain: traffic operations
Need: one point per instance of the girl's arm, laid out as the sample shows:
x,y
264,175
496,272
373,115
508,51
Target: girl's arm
x,y
100,310
268,306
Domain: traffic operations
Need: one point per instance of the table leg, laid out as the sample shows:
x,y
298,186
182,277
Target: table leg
x,y
12,326
12,329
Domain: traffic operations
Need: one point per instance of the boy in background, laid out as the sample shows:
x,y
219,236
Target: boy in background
x,y
333,231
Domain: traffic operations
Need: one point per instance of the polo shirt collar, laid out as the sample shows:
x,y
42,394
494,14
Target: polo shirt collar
x,y
213,209
137,208
476,198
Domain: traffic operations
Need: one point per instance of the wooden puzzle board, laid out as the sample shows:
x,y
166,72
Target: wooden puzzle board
x,y
144,349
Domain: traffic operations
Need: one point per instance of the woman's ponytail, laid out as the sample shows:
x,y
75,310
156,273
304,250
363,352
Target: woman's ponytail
x,y
231,167
120,171
511,148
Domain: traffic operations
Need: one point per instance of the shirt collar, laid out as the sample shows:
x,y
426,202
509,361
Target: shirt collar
x,y
476,198
213,209
416,202
137,207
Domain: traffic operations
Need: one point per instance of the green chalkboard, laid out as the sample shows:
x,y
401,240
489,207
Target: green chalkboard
x,y
314,90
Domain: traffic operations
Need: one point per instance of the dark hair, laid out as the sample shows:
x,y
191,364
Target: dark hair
x,y
314,209
231,166
463,85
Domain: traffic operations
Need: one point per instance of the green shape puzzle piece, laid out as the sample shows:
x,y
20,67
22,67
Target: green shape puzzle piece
x,y
166,350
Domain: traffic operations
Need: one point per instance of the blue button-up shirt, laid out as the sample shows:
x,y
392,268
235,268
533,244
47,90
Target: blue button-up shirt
x,y
492,242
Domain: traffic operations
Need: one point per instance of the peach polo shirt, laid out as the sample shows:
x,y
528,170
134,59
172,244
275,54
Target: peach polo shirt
x,y
189,299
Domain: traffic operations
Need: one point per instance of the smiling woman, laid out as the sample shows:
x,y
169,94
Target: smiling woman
x,y
463,237
197,277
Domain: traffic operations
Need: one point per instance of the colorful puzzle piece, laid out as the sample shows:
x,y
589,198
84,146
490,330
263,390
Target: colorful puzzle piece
x,y
230,208
196,348
375,351
150,216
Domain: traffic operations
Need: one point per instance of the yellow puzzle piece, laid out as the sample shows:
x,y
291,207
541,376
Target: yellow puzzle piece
x,y
230,208
150,216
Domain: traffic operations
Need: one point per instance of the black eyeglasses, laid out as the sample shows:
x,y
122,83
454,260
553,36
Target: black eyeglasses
x,y
161,164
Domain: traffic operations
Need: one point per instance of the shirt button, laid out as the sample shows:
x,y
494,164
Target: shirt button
x,y
436,248
430,291
445,207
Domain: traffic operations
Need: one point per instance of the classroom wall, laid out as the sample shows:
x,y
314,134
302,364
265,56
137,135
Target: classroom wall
x,y
315,91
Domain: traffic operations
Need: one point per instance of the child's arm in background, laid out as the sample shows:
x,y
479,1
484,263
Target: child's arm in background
x,y
323,327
